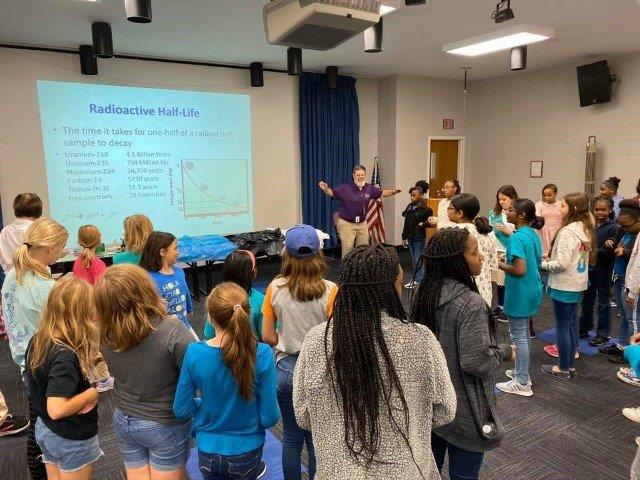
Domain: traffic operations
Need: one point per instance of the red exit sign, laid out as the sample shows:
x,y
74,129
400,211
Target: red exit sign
x,y
447,123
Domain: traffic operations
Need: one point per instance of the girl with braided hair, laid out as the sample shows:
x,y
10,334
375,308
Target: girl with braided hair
x,y
369,384
448,302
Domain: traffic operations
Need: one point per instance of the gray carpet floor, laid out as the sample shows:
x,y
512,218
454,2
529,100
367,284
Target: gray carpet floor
x,y
566,431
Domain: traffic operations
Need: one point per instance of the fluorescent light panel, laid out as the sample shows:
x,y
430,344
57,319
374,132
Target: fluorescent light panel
x,y
384,9
499,40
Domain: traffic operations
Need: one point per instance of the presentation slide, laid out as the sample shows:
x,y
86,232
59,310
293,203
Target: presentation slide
x,y
181,158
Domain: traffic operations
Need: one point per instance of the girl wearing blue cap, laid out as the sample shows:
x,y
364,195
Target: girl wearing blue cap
x,y
296,300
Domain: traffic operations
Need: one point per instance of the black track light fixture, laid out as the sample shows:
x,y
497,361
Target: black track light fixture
x,y
138,11
503,12
332,77
88,61
102,40
294,61
409,3
257,76
373,38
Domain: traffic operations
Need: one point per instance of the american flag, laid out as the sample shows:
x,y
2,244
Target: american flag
x,y
375,214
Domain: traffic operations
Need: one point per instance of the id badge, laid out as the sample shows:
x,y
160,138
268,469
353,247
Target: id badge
x,y
358,219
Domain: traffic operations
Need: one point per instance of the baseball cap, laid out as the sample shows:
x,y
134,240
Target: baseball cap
x,y
302,241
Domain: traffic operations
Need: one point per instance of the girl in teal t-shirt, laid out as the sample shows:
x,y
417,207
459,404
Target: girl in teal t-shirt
x,y
523,289
240,268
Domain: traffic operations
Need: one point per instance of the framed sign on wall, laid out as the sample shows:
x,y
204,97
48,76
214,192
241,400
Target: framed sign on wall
x,y
535,169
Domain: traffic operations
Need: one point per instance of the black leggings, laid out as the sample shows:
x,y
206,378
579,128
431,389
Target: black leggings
x,y
34,454
500,295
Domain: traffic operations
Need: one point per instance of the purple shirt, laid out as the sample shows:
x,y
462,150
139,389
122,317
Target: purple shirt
x,y
354,200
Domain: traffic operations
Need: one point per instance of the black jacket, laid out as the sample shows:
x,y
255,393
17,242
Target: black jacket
x,y
604,261
412,218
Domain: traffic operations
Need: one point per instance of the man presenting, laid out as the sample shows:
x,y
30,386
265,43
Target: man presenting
x,y
352,214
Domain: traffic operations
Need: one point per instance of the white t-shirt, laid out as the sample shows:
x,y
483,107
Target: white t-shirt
x,y
443,214
11,237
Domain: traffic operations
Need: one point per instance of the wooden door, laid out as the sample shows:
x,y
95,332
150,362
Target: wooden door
x,y
443,164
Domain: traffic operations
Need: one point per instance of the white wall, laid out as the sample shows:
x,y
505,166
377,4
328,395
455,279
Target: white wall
x,y
274,117
367,89
536,115
411,110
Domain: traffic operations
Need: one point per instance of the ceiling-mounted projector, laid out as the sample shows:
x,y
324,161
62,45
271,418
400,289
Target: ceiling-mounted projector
x,y
318,24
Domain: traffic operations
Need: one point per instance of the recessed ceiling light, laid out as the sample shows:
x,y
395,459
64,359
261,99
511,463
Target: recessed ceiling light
x,y
384,9
499,40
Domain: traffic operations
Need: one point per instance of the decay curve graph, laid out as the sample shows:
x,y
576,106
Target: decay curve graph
x,y
214,187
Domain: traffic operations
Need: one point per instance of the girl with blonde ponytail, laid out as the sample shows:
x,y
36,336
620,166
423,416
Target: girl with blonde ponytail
x,y
236,378
27,286
88,266
24,294
59,359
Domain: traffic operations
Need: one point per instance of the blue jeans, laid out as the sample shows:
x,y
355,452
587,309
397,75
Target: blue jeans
x,y
224,467
604,310
521,338
628,321
463,464
145,442
293,437
566,333
416,245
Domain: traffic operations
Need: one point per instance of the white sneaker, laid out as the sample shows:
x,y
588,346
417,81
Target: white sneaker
x,y
105,385
632,413
628,376
512,375
516,388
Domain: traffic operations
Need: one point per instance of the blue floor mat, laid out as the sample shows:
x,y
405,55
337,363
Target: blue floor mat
x,y
583,346
271,455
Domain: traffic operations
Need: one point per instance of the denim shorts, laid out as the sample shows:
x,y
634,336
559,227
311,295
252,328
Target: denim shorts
x,y
145,442
69,455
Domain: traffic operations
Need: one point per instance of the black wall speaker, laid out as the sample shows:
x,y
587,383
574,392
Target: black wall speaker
x,y
332,77
594,83
88,62
257,78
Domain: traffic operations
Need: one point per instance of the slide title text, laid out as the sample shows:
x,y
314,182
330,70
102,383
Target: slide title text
x,y
112,109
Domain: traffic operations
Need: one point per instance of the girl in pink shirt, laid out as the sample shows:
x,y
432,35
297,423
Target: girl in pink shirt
x,y
549,209
88,266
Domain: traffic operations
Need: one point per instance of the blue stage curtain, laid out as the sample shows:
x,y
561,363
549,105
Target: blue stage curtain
x,y
329,144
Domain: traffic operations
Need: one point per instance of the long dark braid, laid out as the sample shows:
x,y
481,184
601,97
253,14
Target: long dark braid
x,y
443,257
362,382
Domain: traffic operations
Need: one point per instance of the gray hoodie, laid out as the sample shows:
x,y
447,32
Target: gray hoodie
x,y
568,264
472,356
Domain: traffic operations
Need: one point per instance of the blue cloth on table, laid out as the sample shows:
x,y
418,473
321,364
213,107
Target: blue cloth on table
x,y
206,247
